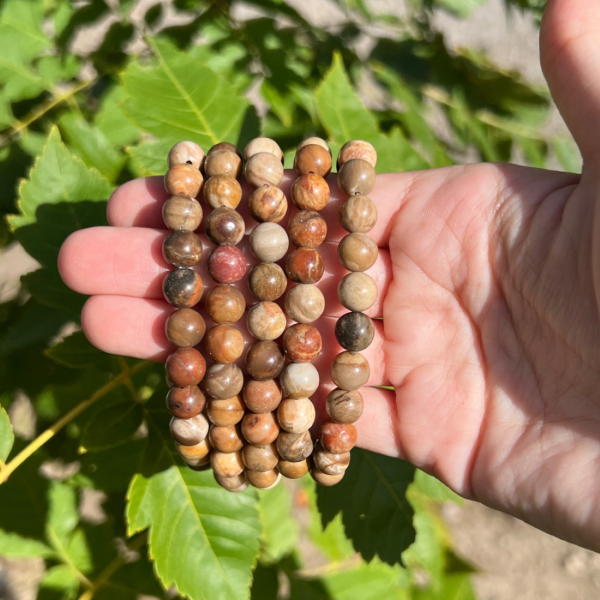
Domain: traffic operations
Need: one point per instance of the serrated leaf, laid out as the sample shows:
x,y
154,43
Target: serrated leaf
x,y
16,546
112,426
77,352
111,120
7,437
148,158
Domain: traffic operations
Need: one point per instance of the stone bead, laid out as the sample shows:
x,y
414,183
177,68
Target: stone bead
x,y
310,192
293,470
260,458
186,153
356,177
226,464
182,213
225,226
324,479
266,321
267,203
224,343
183,288
183,179
305,265
264,361
357,149
197,455
189,432
357,252
228,411
223,380
262,396
312,158
350,371
223,162
354,331
300,380
185,403
225,146
264,168
343,406
222,190
302,343
307,228
357,214
263,480
262,144
304,303
296,416
331,463
185,328
232,484
314,140
182,249
338,437
269,242
357,291
294,447
260,429
225,304
226,264
185,367
267,281
226,439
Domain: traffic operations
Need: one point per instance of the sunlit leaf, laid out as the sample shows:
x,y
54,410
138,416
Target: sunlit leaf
x,y
15,546
7,437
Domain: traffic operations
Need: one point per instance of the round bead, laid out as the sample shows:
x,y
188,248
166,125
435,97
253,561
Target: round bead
x,y
266,321
356,177
315,140
260,429
186,153
226,464
294,447
264,361
225,304
267,204
185,367
223,162
185,328
300,380
260,458
324,479
302,343
262,144
310,192
338,437
343,406
263,480
225,226
357,149
223,380
185,403
182,249
183,288
183,179
262,396
182,213
331,463
195,456
222,190
357,252
354,331
357,214
232,484
304,303
350,371
305,265
267,281
264,168
228,411
226,439
189,432
225,146
307,228
224,343
312,158
357,291
293,470
296,416
269,242
226,264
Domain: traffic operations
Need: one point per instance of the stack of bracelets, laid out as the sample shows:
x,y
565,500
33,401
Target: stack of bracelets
x,y
249,434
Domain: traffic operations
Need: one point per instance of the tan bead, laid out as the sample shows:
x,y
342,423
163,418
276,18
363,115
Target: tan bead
x,y
264,480
225,304
293,470
189,432
266,321
299,380
232,484
225,146
296,416
260,458
186,153
314,140
226,439
227,464
264,169
331,463
267,281
312,159
224,343
357,252
324,479
267,203
223,380
262,396
343,406
223,162
228,411
182,213
269,242
310,192
356,177
304,303
222,190
357,292
196,455
185,328
262,144
294,447
183,179
357,213
260,430
350,371
357,149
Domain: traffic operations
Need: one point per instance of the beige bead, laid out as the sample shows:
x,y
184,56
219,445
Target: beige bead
x,y
304,303
222,190
232,484
357,149
196,455
356,177
324,479
294,447
189,432
186,152
269,242
262,144
264,169
266,321
225,146
182,213
296,416
260,458
293,470
223,380
357,292
350,371
227,464
300,380
183,179
223,162
267,203
357,252
331,463
264,480
357,213
314,140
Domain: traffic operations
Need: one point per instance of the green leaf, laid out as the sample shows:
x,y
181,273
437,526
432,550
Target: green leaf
x,y
433,488
148,158
75,351
112,426
59,582
7,437
568,154
453,587
111,120
462,8
16,546
62,513
48,288
265,583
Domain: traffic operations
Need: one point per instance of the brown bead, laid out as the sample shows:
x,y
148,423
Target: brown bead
x,y
226,464
266,321
296,415
357,252
307,228
314,140
228,411
226,439
182,249
262,396
299,380
183,179
264,361
264,168
312,158
189,432
260,429
305,265
185,328
183,288
182,213
293,470
358,214
225,226
343,406
262,144
302,343
294,447
225,146
223,162
267,203
186,153
260,458
267,281
357,149
197,455
224,343
185,403
223,380
304,303
222,190
350,371
331,463
186,367
232,484
225,304
324,479
354,331
356,177
357,291
338,437
310,192
226,264
263,480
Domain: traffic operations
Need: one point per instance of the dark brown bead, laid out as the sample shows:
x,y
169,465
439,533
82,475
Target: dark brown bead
x,y
262,396
185,403
331,463
264,361
293,470
354,331
189,432
225,304
226,264
267,281
224,343
260,430
225,146
267,204
182,213
222,190
186,367
263,480
358,214
294,447
226,439
186,153
305,265
356,176
223,162
185,328
310,192
225,226
223,380
183,288
183,179
260,458
307,228
338,437
324,479
227,411
302,343
182,249
312,159
343,406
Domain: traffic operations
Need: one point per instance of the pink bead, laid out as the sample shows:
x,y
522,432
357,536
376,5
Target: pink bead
x,y
226,264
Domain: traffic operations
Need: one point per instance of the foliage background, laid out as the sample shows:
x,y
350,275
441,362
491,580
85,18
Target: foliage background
x,y
74,126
